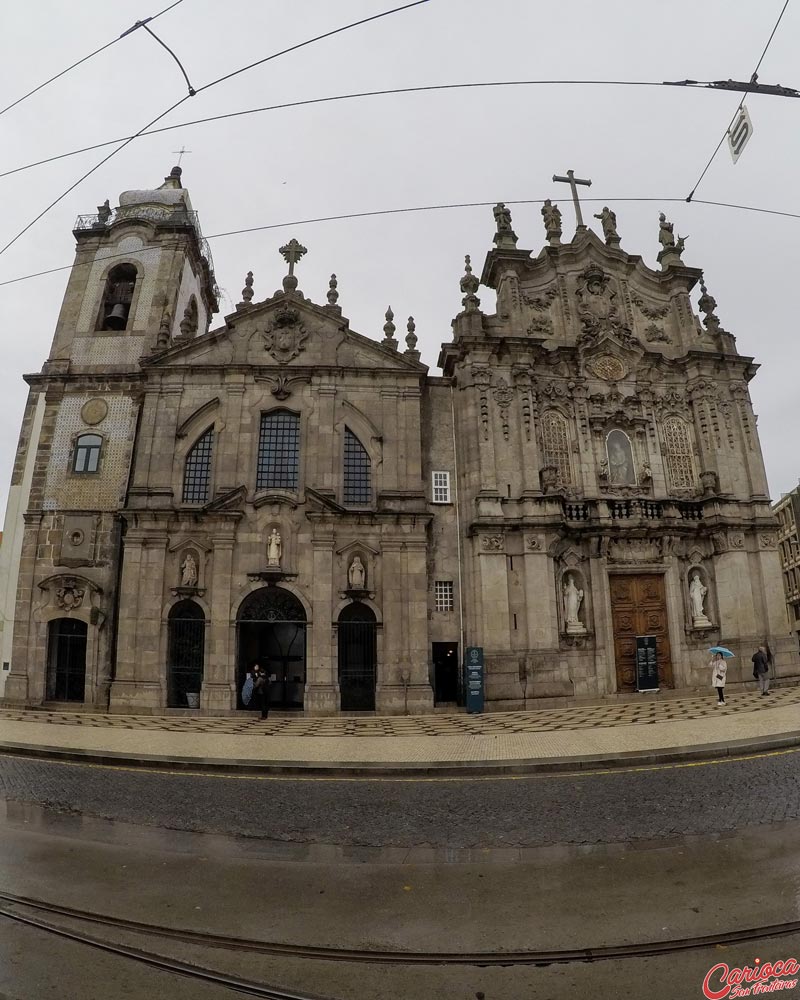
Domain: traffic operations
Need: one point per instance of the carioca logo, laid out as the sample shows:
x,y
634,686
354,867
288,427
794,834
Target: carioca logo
x,y
732,982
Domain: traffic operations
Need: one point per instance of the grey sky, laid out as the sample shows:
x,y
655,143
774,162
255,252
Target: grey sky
x,y
408,150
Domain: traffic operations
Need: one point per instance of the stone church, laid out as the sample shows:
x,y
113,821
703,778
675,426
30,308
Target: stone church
x,y
281,489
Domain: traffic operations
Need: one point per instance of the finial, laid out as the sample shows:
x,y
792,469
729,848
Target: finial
x,y
707,305
162,341
551,215
333,294
411,340
505,238
388,331
292,252
469,285
247,293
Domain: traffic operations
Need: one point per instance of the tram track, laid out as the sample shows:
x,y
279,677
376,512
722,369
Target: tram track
x,y
479,959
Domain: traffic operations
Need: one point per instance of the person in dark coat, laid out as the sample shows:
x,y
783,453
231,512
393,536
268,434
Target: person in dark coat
x,y
261,690
761,669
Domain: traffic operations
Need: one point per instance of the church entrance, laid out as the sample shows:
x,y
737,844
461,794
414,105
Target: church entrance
x,y
639,607
358,658
271,630
66,660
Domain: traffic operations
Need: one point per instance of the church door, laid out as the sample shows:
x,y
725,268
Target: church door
x,y
358,656
639,607
271,628
66,660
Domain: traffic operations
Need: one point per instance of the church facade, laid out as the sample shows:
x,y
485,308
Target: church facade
x,y
585,471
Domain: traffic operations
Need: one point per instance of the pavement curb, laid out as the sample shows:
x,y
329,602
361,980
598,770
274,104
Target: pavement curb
x,y
363,769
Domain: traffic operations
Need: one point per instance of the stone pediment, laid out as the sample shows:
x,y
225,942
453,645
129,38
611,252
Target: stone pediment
x,y
285,332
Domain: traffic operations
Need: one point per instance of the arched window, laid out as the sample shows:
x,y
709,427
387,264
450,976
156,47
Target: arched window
x,y
555,442
87,453
357,481
186,631
197,471
678,454
278,451
117,298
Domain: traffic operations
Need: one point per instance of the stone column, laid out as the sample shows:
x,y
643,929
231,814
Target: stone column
x,y
219,680
25,680
122,687
162,461
225,473
324,469
322,695
390,466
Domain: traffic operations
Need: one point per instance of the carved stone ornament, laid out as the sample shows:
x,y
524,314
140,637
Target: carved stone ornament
x,y
650,311
655,335
286,336
597,307
492,543
608,367
768,541
70,596
634,550
735,540
94,411
534,543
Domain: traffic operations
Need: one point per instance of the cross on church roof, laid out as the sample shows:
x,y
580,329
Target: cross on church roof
x,y
181,152
292,253
573,181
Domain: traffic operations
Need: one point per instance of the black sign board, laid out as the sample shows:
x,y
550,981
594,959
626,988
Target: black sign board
x,y
646,663
473,678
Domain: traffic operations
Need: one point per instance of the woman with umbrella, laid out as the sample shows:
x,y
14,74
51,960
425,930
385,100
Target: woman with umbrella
x,y
719,670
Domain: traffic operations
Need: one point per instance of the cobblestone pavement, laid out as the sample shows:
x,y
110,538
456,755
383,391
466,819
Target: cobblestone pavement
x,y
642,711
591,808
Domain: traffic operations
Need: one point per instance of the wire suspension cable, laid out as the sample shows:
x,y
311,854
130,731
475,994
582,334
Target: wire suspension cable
x,y
164,45
139,24
398,211
753,79
213,83
341,97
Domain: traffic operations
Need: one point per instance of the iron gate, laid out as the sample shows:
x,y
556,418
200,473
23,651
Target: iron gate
x,y
187,626
67,657
358,656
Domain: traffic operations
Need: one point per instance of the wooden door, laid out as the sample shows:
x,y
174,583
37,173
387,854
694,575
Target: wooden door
x,y
639,607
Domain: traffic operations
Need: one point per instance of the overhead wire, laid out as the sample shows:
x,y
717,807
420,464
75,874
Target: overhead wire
x,y
399,211
91,55
753,79
213,83
338,97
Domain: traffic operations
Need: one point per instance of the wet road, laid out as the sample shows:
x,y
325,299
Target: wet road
x,y
593,808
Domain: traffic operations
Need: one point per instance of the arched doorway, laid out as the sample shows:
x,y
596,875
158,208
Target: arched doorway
x,y
271,628
66,659
358,657
185,649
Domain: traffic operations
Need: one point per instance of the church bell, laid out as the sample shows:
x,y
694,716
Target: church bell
x,y
117,319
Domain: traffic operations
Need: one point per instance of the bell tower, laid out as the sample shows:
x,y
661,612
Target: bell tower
x,y
143,278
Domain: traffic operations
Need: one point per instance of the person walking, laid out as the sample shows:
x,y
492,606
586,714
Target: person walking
x,y
761,669
719,671
261,690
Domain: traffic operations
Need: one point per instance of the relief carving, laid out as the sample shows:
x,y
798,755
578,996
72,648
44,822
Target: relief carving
x,y
286,336
635,550
492,543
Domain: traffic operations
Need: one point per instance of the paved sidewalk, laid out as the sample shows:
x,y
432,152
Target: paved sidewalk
x,y
640,731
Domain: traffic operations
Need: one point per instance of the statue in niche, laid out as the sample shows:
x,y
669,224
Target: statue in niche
x,y
189,571
356,574
697,594
274,548
621,471
573,598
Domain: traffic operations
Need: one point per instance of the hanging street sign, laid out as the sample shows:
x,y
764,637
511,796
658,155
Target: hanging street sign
x,y
739,133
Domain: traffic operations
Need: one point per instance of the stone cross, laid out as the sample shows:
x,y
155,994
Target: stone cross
x,y
292,253
181,152
573,181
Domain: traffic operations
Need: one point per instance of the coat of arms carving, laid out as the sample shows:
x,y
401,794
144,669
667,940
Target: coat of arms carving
x,y
286,336
70,595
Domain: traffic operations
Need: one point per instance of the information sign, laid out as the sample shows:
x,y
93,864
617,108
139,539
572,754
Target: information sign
x,y
646,663
473,678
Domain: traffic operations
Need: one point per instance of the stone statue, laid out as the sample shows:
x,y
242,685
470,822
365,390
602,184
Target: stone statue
x,y
502,218
620,459
356,575
573,597
274,548
104,212
552,220
646,475
188,571
697,593
608,220
665,236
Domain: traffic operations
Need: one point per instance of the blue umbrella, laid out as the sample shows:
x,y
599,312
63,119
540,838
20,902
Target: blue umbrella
x,y
722,649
